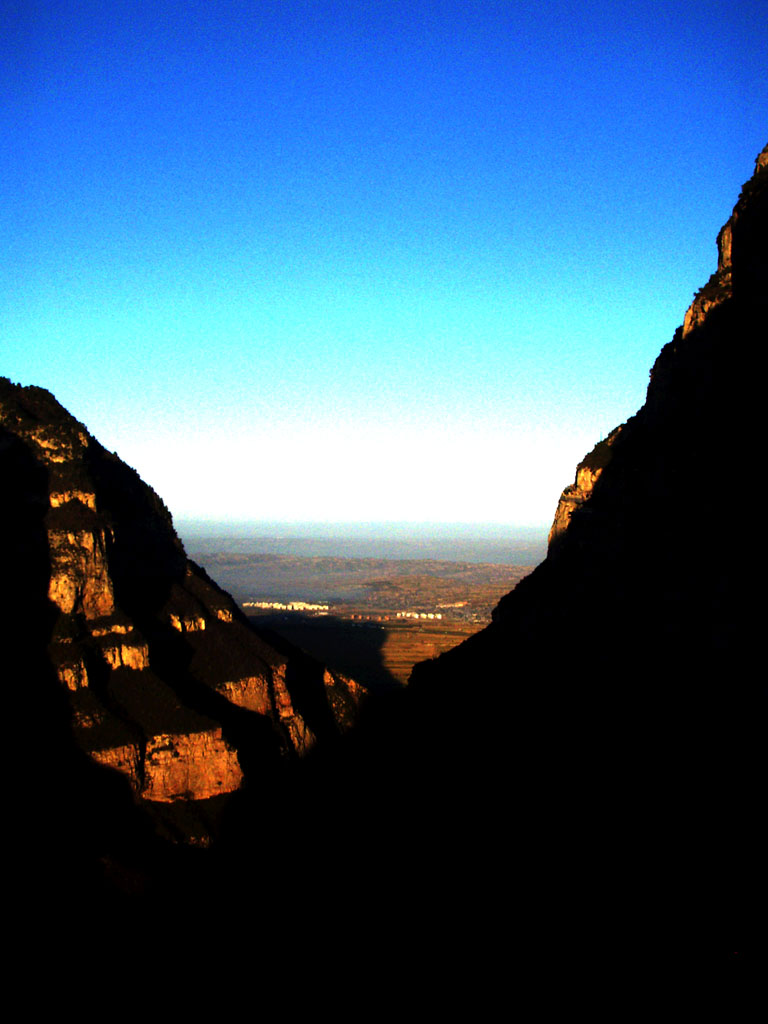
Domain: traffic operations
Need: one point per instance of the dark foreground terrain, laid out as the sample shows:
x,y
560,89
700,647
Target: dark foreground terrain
x,y
378,654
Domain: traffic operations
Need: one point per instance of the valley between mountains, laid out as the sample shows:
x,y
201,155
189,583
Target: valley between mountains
x,y
585,765
372,618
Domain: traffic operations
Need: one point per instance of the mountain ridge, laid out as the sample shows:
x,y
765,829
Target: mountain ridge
x,y
165,679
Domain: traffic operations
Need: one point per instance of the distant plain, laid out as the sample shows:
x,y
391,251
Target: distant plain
x,y
374,581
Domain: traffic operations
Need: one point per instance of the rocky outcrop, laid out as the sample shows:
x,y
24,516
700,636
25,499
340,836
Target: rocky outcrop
x,y
588,472
720,286
194,765
164,675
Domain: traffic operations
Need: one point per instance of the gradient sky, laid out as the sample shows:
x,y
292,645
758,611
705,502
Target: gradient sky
x,y
364,260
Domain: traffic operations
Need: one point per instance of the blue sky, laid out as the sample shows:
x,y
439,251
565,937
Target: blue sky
x,y
364,260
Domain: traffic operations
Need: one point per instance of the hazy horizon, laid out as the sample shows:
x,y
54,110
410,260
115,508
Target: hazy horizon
x,y
373,528
364,260
459,542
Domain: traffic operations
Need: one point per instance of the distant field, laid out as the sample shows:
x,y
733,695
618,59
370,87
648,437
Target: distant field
x,y
457,591
365,633
486,543
407,644
366,584
376,654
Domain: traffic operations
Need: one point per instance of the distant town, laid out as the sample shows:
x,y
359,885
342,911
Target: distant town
x,y
290,606
370,618
363,589
307,607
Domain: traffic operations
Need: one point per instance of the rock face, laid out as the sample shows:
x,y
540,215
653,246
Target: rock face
x,y
165,680
588,472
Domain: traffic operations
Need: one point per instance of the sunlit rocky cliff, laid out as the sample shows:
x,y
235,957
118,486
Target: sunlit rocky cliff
x,y
164,679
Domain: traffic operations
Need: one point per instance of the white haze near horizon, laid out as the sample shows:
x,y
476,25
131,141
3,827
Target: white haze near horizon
x,y
476,475
460,542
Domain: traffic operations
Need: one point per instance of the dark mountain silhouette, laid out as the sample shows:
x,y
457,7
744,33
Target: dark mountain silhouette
x,y
619,681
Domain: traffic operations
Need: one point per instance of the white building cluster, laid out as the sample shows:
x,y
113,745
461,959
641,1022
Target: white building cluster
x,y
322,609
290,606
